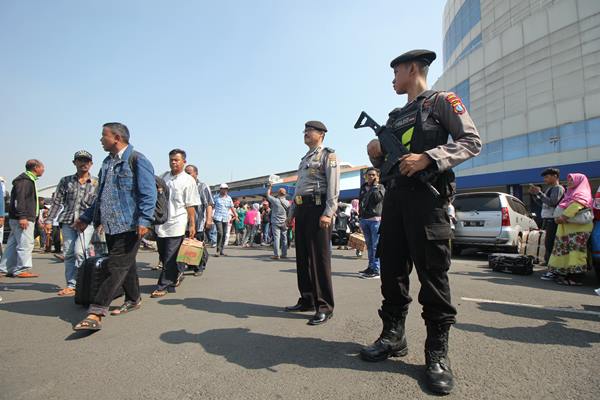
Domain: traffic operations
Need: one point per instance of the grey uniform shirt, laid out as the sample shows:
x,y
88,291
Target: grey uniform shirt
x,y
466,142
319,174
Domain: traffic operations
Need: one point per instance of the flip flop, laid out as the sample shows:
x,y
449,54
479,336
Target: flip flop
x,y
88,324
66,292
158,293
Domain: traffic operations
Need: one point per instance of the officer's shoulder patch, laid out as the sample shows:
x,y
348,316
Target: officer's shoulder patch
x,y
329,149
332,159
457,105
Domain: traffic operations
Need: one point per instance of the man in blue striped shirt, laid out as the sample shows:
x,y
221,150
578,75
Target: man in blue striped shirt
x,y
223,205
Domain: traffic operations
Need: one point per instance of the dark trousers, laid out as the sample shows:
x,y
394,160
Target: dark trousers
x,y
56,242
168,248
122,271
549,226
313,258
221,234
415,230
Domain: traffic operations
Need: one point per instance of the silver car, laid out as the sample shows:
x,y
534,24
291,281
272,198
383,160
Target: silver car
x,y
490,221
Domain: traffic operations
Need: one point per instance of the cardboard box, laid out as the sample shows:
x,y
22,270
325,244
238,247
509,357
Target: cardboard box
x,y
190,252
357,241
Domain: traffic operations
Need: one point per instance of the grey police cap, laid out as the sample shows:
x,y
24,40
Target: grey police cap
x,y
425,56
318,125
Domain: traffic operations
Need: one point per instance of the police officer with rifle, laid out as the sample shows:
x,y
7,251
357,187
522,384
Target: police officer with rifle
x,y
416,160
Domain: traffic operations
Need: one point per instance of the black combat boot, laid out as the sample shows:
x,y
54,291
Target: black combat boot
x,y
438,373
391,342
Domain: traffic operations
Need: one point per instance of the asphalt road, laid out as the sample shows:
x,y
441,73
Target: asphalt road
x,y
224,336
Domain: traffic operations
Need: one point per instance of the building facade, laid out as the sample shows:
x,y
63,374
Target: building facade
x,y
529,73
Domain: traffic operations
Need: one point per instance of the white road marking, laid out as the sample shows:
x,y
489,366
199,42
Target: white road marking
x,y
571,310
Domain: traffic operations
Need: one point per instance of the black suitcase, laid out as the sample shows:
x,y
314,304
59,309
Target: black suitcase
x,y
90,276
512,263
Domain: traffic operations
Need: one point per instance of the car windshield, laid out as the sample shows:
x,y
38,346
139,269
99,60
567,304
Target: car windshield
x,y
478,202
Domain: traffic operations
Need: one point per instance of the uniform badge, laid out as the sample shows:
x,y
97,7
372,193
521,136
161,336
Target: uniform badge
x,y
456,103
332,160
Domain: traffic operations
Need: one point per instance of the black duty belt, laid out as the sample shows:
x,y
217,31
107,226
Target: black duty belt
x,y
310,200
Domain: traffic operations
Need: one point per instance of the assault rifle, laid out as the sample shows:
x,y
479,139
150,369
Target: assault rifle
x,y
394,149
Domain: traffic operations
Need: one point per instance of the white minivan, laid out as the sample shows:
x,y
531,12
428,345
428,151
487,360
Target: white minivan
x,y
490,221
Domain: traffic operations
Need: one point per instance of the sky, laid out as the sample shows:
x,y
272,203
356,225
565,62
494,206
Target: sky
x,y
230,82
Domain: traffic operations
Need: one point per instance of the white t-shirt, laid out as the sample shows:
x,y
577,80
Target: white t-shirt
x,y
183,193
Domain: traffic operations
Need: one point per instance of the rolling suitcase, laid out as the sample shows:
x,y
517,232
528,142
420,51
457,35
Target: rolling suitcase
x,y
512,263
90,276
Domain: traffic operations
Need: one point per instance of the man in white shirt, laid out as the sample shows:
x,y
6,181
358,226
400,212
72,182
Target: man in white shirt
x,y
183,199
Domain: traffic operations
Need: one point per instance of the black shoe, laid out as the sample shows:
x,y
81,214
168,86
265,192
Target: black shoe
x,y
370,274
391,341
320,318
438,373
300,306
198,272
364,271
217,254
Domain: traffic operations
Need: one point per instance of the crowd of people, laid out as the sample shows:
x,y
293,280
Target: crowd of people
x,y
568,219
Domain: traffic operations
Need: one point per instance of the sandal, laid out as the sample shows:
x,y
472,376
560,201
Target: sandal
x,y
66,292
88,324
568,282
158,293
126,307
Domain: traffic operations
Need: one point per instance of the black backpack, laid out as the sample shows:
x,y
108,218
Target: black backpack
x,y
161,209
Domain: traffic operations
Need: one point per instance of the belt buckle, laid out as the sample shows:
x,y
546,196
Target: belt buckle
x,y
298,200
318,200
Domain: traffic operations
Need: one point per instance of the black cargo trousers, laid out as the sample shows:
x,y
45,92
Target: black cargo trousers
x,y
415,230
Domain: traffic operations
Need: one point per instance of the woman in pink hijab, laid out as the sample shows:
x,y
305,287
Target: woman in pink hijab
x,y
569,255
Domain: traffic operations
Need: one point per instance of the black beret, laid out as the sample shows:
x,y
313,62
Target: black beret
x,y
551,171
425,56
318,125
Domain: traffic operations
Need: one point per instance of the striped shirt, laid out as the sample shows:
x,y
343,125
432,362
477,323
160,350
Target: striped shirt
x,y
74,196
222,206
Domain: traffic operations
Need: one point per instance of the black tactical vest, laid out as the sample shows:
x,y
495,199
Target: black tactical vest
x,y
419,131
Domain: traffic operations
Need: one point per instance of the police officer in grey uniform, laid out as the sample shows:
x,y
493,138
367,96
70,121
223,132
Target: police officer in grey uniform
x,y
315,203
415,227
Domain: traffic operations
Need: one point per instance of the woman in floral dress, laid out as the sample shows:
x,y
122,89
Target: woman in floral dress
x,y
569,255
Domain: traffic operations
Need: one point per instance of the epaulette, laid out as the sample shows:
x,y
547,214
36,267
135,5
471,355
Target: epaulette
x,y
329,149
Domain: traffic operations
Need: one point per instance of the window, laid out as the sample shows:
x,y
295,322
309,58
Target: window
x,y
477,202
543,142
517,206
592,127
515,147
572,136
465,19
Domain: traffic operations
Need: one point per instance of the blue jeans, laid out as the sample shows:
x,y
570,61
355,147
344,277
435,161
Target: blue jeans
x,y
16,257
73,251
370,229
